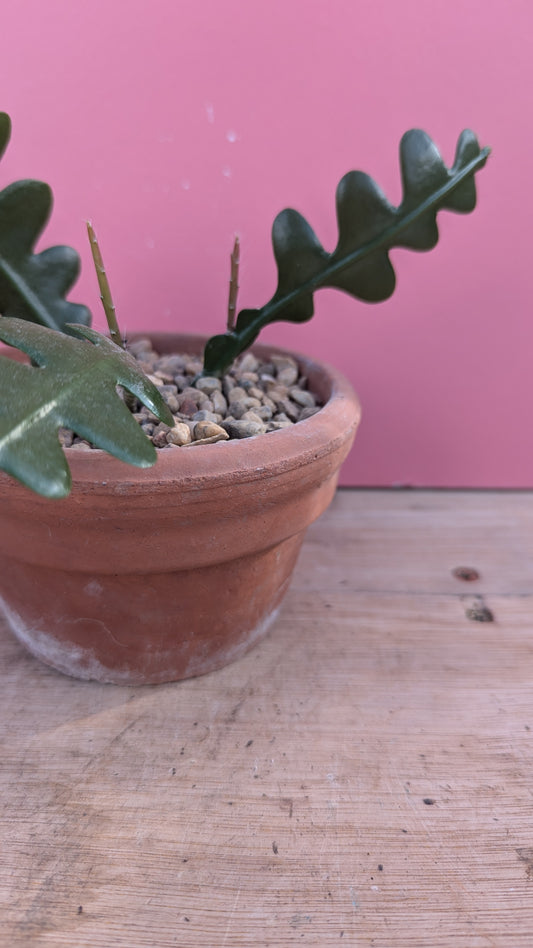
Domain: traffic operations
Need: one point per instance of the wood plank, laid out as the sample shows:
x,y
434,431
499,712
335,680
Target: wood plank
x,y
363,777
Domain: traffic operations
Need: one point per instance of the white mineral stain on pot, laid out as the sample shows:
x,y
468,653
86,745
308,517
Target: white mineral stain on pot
x,y
93,588
65,657
79,662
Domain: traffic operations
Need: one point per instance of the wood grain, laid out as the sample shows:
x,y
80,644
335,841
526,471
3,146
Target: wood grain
x,y
363,777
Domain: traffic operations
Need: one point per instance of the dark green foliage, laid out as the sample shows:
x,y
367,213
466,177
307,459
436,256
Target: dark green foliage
x,y
5,132
369,226
33,286
71,384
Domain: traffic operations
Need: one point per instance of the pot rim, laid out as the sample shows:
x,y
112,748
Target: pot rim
x,y
246,459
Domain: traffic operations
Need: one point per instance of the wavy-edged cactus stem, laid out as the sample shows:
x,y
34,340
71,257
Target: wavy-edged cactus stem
x,y
33,286
369,227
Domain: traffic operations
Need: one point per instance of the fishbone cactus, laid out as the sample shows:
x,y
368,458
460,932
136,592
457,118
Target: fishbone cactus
x,y
369,226
33,286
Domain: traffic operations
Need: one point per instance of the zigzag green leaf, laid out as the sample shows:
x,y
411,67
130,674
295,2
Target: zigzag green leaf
x,y
33,286
72,383
369,226
5,131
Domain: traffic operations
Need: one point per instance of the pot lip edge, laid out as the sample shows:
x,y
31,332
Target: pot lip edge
x,y
245,460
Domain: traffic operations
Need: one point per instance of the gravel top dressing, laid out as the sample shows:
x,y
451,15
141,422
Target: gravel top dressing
x,y
253,398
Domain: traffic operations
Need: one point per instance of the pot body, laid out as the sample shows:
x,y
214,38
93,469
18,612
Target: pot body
x,y
153,575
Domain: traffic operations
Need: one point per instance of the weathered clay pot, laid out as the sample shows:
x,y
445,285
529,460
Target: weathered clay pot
x,y
145,576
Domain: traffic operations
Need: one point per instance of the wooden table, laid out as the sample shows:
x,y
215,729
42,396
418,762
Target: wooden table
x,y
364,777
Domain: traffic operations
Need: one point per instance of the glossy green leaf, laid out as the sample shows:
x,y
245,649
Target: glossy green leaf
x,y
5,131
72,384
33,286
369,226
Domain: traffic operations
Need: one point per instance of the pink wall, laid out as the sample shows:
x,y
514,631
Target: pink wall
x,y
175,123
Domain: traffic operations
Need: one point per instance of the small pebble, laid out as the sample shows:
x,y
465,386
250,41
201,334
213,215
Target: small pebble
x,y
277,394
164,376
206,404
243,429
173,364
286,369
194,366
228,383
159,437
288,408
207,429
81,445
147,415
172,403
65,437
236,394
269,403
288,375
302,397
188,407
193,394
139,347
252,402
154,379
179,434
220,405
251,415
249,363
208,385
308,412
248,379
204,415
278,425
238,407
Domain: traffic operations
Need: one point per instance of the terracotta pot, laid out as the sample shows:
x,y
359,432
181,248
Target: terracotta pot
x,y
146,576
